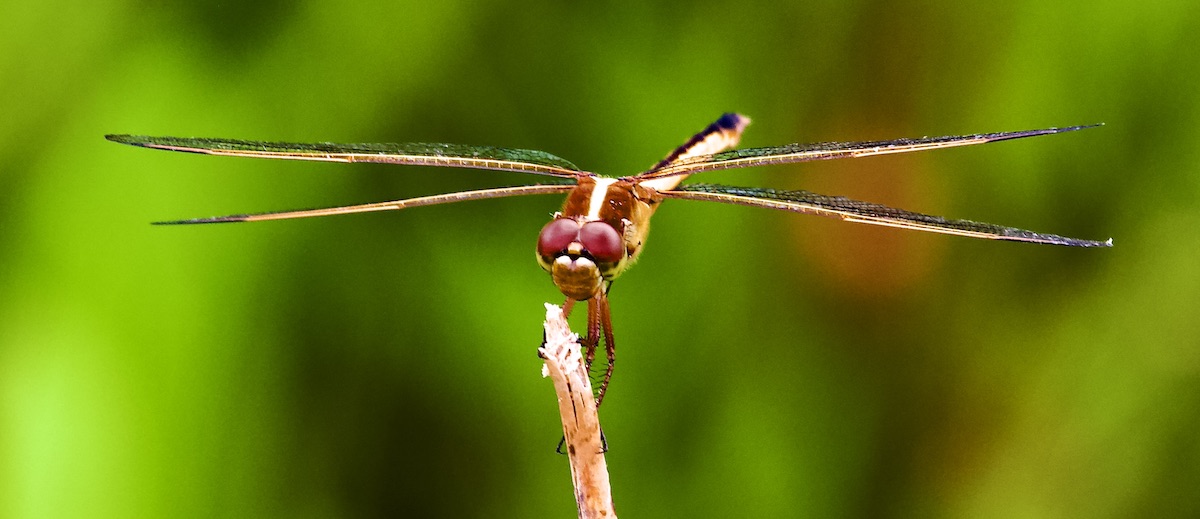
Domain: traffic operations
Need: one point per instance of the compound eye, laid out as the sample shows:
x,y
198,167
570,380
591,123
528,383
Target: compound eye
x,y
556,235
602,242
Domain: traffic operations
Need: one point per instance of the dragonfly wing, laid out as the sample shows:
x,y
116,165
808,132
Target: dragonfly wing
x,y
462,196
836,150
717,137
866,212
413,153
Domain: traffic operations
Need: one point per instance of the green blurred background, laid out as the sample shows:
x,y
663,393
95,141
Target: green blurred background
x,y
771,364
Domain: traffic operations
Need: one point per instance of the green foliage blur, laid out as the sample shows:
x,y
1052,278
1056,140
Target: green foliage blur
x,y
771,365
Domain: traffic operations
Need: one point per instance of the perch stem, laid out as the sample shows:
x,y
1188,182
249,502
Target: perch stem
x,y
581,424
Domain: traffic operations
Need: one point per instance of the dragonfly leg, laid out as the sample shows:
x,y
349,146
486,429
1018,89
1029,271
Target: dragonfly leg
x,y
590,343
593,333
610,346
603,444
599,322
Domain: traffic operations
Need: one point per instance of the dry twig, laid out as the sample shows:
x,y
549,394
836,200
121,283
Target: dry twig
x,y
581,424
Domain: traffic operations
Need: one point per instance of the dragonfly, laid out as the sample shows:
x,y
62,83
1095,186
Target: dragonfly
x,y
603,224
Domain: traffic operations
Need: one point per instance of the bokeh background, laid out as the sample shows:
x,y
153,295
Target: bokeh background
x,y
771,364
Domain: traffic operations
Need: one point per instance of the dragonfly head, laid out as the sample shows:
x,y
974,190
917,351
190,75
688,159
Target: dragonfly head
x,y
579,255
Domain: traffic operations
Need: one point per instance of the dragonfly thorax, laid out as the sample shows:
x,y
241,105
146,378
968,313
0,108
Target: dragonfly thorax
x,y
580,254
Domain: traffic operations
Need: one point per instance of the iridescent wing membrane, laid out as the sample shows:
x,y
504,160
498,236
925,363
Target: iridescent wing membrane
x,y
418,154
865,212
664,175
412,153
791,153
845,208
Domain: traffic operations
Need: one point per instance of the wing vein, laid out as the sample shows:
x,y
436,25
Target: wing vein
x,y
393,205
413,153
866,212
792,153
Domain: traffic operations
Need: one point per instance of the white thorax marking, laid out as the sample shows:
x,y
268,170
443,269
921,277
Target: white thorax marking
x,y
599,195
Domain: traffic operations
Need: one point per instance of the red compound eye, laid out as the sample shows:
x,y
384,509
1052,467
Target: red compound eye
x,y
556,235
602,242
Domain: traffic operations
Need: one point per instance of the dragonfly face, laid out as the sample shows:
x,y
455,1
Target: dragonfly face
x,y
603,224
597,235
575,253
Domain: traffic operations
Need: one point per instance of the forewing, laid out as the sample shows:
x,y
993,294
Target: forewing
x,y
836,150
500,192
866,212
413,153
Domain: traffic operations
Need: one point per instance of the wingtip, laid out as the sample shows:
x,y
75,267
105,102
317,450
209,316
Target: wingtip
x,y
1095,243
1089,244
1079,127
133,140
